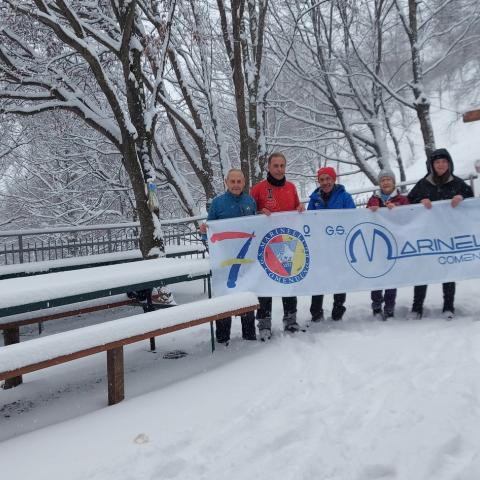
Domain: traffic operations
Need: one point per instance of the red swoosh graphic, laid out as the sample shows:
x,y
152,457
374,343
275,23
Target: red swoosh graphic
x,y
218,237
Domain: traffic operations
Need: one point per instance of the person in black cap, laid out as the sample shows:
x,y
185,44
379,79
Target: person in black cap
x,y
438,184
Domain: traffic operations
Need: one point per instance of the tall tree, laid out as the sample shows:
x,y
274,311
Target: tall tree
x,y
243,30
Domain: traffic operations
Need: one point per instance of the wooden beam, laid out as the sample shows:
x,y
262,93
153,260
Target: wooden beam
x,y
72,313
471,116
116,378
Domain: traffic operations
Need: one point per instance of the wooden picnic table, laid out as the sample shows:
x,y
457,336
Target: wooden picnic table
x,y
46,291
27,294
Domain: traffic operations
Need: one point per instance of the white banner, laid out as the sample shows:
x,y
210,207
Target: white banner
x,y
334,251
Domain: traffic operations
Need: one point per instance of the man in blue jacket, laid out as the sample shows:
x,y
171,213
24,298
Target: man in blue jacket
x,y
329,196
233,203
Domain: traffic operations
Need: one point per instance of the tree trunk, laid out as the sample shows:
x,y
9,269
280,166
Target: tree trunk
x,y
151,241
422,104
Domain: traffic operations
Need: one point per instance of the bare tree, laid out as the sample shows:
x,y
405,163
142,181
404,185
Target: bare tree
x,y
89,59
420,22
65,174
324,90
243,30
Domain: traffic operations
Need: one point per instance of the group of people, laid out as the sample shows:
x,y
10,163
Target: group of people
x,y
276,194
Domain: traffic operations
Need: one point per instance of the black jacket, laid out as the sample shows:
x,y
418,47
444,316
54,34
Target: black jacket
x,y
426,188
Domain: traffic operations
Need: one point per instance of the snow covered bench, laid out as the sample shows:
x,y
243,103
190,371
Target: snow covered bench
x,y
27,294
28,299
89,261
78,306
22,358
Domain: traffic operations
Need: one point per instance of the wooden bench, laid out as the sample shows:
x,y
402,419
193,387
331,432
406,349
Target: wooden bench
x,y
28,297
22,358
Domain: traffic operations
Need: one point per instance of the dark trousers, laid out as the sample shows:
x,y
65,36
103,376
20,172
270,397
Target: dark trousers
x,y
420,291
316,307
223,327
264,313
265,310
389,297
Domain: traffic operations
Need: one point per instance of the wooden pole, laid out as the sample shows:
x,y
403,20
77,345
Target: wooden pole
x,y
471,116
10,337
116,379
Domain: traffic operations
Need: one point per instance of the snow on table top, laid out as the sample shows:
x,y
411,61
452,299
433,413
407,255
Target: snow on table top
x,y
46,265
41,349
40,288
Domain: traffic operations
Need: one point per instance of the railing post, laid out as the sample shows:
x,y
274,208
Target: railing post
x,y
109,236
20,248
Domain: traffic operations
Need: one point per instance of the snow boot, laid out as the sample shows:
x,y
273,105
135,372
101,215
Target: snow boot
x,y
448,315
337,312
265,334
415,315
292,327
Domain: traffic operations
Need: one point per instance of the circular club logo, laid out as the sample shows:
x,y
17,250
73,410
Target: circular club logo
x,y
283,254
371,249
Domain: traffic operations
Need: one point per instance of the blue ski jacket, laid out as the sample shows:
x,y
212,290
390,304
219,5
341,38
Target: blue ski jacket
x,y
339,198
228,205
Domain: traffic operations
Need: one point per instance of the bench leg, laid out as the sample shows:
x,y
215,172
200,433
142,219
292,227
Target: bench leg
x,y
11,336
116,380
212,337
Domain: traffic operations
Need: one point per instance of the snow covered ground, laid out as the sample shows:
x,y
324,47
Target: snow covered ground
x,y
358,399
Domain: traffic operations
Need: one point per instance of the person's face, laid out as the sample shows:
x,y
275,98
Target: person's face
x,y
326,183
440,166
276,167
387,185
235,183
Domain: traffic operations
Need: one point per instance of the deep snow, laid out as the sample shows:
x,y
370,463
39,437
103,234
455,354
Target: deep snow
x,y
358,399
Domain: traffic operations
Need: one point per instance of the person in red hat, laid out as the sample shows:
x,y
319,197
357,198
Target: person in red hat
x,y
329,195
276,194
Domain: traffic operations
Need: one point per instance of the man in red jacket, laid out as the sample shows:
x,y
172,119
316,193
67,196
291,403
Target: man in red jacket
x,y
275,194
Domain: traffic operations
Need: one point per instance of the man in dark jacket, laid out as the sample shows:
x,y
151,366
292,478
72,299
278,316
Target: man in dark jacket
x,y
233,203
438,184
329,195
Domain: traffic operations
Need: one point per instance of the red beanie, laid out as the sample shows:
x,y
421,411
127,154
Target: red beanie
x,y
327,171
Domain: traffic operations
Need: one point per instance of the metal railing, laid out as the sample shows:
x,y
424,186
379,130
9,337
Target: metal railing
x,y
35,245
